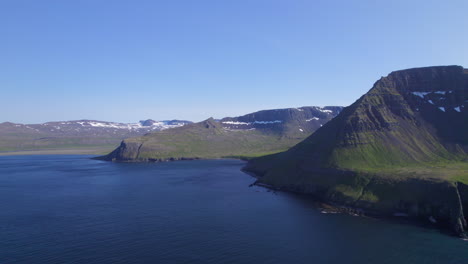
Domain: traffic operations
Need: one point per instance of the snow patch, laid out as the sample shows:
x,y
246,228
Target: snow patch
x,y
420,94
313,118
267,122
235,123
250,123
156,125
457,109
442,109
323,110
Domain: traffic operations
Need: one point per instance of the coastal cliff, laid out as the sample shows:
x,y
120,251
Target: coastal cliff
x,y
400,149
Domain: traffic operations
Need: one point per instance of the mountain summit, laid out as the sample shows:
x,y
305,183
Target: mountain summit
x,y
400,148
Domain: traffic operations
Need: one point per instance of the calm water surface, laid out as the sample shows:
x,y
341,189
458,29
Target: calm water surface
x,y
70,209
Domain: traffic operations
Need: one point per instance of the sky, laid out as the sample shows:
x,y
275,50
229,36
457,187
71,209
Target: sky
x,y
124,61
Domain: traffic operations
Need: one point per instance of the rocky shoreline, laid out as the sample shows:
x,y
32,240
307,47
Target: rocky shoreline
x,y
453,223
327,206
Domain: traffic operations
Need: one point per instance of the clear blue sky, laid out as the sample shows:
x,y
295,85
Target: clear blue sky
x,y
130,60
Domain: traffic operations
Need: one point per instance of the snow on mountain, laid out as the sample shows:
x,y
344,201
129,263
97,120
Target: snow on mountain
x,y
443,100
92,127
144,124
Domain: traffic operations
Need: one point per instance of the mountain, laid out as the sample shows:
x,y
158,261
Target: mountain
x,y
253,134
73,135
400,149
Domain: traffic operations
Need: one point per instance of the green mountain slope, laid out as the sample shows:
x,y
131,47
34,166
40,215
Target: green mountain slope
x,y
255,134
400,148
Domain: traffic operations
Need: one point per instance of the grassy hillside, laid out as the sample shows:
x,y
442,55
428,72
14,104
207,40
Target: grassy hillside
x,y
207,139
402,143
251,135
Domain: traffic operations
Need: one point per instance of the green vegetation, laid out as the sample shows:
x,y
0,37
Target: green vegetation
x,y
248,136
31,143
393,150
204,140
76,150
253,155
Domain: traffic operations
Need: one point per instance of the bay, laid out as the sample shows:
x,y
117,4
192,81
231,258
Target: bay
x,y
71,209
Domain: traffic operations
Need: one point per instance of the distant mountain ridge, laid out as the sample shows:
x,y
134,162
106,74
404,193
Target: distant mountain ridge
x,y
86,124
253,134
307,119
399,149
75,134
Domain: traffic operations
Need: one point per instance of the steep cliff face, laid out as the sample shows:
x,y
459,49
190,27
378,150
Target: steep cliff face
x,y
127,151
391,151
254,134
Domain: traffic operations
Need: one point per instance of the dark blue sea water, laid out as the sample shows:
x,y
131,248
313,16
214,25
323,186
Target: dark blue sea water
x,y
70,209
